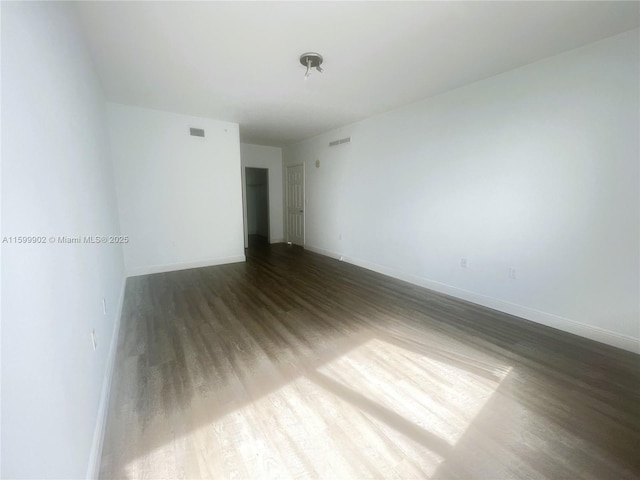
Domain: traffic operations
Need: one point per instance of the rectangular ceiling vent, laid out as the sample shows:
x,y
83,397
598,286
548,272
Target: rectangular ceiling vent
x,y
196,132
335,143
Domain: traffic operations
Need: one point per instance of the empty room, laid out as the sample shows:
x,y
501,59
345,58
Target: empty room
x,y
329,240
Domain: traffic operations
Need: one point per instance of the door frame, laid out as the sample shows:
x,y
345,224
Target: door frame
x,y
245,222
304,202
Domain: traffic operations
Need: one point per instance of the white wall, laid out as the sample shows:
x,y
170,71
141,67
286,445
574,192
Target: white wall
x,y
56,180
535,169
179,197
271,158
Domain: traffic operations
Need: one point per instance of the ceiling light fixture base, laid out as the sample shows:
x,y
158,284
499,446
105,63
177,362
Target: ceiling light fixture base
x,y
311,60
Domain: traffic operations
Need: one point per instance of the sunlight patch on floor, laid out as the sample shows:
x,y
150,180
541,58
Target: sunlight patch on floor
x,y
425,405
378,410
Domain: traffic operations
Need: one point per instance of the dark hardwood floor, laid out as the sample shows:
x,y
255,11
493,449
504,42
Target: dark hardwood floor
x,y
294,365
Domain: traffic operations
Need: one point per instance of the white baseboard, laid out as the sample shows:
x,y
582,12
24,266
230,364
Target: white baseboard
x,y
147,270
598,334
326,253
276,240
93,469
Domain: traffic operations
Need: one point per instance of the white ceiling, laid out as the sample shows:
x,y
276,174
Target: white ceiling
x,y
238,61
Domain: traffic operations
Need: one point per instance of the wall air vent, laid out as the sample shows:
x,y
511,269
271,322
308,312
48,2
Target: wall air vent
x,y
335,143
196,132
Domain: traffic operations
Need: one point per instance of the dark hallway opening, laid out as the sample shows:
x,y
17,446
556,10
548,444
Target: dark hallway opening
x,y
257,200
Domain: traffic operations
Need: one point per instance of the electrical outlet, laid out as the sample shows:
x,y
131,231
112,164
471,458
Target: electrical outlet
x,y
512,273
340,237
463,262
104,306
94,341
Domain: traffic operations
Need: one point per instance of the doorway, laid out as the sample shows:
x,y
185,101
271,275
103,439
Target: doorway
x,y
257,203
295,204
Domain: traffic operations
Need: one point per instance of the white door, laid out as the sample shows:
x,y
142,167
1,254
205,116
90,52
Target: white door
x,y
295,204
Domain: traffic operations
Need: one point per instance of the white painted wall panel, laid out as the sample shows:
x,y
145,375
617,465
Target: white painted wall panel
x,y
56,181
535,169
179,196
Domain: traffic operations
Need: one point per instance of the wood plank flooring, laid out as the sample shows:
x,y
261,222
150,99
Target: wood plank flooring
x,y
294,365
